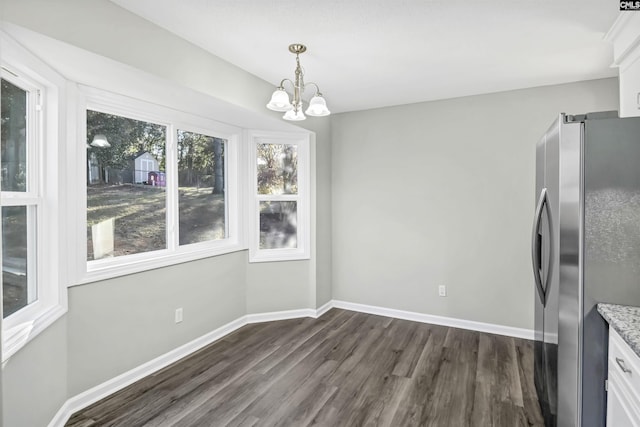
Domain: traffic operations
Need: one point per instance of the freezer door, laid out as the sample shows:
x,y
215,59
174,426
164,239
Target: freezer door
x,y
538,273
545,261
551,262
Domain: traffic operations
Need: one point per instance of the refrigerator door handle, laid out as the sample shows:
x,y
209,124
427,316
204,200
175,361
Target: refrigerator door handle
x,y
535,246
549,235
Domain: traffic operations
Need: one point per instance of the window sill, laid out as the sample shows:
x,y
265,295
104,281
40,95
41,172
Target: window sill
x,y
275,255
114,267
16,337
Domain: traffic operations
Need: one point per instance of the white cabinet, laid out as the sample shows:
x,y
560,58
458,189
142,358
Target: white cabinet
x,y
625,36
619,412
623,398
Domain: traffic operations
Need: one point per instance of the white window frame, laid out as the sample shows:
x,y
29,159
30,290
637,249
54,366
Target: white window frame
x,y
107,102
46,107
303,249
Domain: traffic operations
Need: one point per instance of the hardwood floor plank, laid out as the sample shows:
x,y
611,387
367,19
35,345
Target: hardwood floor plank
x,y
509,387
367,337
524,350
343,369
372,358
411,352
311,406
483,414
454,390
381,398
327,416
248,421
301,398
313,337
413,410
373,388
83,423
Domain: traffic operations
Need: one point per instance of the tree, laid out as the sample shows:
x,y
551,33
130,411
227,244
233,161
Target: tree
x,y
218,165
201,160
13,125
277,169
127,137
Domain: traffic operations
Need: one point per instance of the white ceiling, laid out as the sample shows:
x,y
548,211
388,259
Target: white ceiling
x,y
373,53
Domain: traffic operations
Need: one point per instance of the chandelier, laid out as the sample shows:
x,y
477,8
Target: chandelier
x,y
293,110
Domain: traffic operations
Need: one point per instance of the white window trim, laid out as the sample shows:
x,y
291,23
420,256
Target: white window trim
x,y
108,102
303,249
25,324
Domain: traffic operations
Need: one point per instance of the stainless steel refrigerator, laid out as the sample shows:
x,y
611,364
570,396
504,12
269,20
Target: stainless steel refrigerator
x,y
585,250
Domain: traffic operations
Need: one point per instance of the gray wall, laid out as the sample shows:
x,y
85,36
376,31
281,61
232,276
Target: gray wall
x,y
118,324
115,325
441,193
276,286
35,379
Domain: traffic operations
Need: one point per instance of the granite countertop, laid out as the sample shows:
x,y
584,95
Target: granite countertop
x,y
625,320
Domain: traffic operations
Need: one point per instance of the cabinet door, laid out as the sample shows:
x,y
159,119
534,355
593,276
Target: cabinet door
x,y
630,88
620,412
624,35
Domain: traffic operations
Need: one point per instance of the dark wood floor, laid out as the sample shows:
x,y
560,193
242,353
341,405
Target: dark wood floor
x,y
343,369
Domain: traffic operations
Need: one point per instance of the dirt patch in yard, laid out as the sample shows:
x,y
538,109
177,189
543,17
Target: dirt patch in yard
x,y
139,213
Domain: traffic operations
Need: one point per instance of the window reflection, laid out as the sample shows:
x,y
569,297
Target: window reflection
x,y
278,225
201,182
126,180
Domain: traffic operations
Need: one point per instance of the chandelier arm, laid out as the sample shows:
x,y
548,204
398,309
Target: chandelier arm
x,y
286,80
317,87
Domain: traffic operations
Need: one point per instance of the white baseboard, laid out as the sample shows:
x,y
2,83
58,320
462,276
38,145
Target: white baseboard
x,y
437,320
324,308
84,399
280,315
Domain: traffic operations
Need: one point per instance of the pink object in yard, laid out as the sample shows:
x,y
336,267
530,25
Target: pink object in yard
x,y
157,179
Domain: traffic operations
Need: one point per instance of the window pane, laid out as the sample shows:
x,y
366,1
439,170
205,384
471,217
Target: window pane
x,y
126,198
277,169
15,278
14,137
201,184
278,225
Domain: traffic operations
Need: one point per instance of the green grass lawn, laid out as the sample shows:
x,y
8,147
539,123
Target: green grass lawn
x,y
140,216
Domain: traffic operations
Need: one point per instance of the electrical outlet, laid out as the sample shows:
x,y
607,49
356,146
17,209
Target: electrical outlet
x,y
178,315
442,290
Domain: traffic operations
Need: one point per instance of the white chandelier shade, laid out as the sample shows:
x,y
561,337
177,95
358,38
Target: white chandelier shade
x,y
295,114
318,107
280,101
292,108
